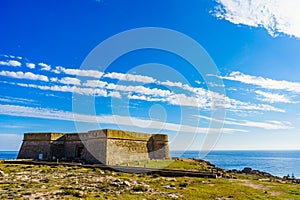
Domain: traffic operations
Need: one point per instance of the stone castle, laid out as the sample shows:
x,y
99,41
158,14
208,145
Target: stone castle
x,y
98,146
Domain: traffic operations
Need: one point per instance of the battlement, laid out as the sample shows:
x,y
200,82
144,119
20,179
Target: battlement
x,y
42,136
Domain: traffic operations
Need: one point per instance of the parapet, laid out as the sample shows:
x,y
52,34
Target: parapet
x,y
43,136
126,135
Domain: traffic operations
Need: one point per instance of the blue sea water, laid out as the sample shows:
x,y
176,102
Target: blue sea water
x,y
8,155
279,163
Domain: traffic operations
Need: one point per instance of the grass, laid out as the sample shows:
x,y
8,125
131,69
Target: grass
x,y
62,182
179,164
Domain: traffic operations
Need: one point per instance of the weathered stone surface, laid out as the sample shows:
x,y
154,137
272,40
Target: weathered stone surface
x,y
98,146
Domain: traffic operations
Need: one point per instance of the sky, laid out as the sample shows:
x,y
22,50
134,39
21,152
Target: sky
x,y
74,66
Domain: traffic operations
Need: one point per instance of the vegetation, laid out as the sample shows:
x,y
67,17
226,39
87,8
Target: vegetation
x,y
61,182
179,164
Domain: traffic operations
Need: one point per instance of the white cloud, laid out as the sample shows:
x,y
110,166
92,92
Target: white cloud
x,y
24,111
200,99
78,72
45,67
145,98
114,94
71,89
268,125
66,80
26,75
129,77
262,82
276,16
54,79
172,84
197,97
15,100
235,105
156,92
70,81
12,63
30,65
95,84
272,97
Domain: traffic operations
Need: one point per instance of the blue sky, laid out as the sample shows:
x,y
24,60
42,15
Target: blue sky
x,y
254,45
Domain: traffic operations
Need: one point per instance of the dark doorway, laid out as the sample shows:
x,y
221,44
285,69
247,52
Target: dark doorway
x,y
56,151
79,151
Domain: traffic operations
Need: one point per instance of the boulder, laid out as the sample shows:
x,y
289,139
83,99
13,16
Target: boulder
x,y
247,170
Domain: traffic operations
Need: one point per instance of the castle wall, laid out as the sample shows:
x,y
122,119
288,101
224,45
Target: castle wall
x,y
95,151
38,143
120,151
32,149
72,144
98,146
159,147
95,143
125,146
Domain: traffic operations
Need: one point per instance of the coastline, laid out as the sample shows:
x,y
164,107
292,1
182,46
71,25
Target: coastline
x,y
77,181
230,160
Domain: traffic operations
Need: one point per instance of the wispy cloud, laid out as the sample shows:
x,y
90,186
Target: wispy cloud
x,y
187,95
16,100
67,88
26,75
276,16
262,82
104,89
78,72
13,63
24,111
45,67
70,81
268,124
272,97
130,77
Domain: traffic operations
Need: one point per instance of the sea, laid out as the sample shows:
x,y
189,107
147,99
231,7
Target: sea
x,y
278,163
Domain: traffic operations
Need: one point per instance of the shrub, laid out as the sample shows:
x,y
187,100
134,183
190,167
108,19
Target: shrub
x,y
155,175
183,184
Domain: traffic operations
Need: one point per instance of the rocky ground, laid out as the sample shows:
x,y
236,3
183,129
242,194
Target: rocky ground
x,y
62,182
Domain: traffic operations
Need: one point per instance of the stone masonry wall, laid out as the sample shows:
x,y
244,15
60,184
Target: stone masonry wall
x,y
120,151
32,149
99,146
38,143
159,147
95,146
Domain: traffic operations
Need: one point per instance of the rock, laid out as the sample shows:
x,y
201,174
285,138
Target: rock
x,y
43,187
247,170
126,183
170,187
174,196
134,183
114,184
117,180
2,173
170,179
